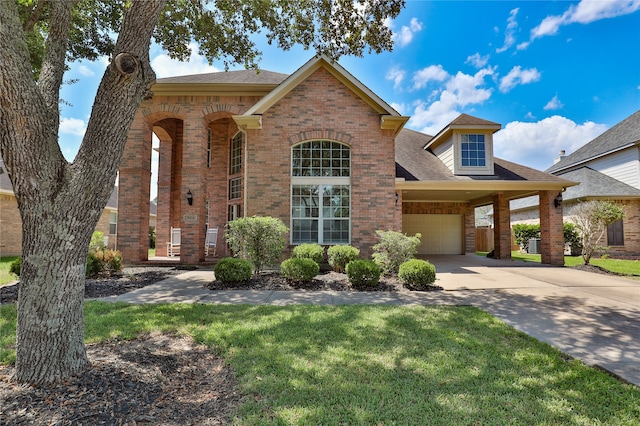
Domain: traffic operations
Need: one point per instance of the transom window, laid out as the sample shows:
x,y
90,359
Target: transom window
x,y
321,158
321,193
473,150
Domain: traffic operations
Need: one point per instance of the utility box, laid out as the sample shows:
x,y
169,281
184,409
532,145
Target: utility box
x,y
534,246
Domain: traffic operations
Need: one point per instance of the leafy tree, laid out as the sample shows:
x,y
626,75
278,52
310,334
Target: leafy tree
x,y
60,202
591,219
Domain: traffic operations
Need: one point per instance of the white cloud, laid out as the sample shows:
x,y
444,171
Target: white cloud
x,y
164,66
85,71
73,126
509,34
477,61
430,73
405,35
518,76
401,108
396,75
537,144
585,12
459,91
553,104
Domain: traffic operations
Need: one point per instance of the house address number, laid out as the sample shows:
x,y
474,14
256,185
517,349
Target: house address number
x,y
190,218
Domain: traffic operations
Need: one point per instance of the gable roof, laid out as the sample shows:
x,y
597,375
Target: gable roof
x,y
623,135
242,82
463,121
390,118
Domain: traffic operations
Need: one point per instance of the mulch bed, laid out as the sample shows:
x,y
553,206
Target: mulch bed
x,y
156,380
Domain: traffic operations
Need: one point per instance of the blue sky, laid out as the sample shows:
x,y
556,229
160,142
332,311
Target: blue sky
x,y
555,74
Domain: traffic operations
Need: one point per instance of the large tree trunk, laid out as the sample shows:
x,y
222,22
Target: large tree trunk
x,y
61,203
50,340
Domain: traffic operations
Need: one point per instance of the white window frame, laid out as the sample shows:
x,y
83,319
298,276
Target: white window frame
x,y
487,169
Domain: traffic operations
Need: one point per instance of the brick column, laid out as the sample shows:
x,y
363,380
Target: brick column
x,y
470,230
163,223
133,194
551,229
502,223
194,173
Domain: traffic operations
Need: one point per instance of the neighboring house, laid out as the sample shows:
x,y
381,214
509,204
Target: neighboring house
x,y
608,168
321,151
11,222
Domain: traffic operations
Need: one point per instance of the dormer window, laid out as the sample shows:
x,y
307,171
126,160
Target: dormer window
x,y
473,150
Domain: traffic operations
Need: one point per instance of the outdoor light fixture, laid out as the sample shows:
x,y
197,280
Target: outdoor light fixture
x,y
557,202
189,197
396,198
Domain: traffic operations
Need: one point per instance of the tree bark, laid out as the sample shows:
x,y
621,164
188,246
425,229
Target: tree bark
x,y
61,203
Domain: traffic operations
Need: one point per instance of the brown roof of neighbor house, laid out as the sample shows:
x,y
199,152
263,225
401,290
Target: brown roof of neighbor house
x,y
413,163
228,77
469,120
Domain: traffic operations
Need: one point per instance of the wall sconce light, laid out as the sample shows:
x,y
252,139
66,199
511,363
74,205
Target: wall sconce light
x,y
189,197
396,198
557,202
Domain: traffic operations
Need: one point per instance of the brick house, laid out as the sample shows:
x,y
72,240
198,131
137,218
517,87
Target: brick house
x,y
322,152
608,168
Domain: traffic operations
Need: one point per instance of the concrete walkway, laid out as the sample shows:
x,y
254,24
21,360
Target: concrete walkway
x,y
592,317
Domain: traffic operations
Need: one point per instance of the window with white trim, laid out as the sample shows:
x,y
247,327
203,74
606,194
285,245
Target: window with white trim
x,y
235,163
235,188
321,193
473,150
113,223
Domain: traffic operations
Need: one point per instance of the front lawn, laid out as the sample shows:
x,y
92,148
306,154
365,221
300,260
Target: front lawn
x,y
5,264
309,364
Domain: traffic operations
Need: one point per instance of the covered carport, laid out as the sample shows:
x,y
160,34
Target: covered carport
x,y
440,205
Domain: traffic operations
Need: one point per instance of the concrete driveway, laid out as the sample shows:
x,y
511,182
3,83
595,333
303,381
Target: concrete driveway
x,y
592,317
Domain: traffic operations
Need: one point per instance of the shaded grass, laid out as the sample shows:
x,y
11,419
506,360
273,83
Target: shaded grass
x,y
377,364
5,264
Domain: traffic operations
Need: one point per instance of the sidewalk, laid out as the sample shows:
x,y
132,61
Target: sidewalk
x,y
591,317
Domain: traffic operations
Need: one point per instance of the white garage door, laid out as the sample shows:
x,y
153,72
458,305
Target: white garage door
x,y
441,233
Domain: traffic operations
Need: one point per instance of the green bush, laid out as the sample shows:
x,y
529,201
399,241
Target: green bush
x,y
340,256
313,251
14,268
260,240
363,273
103,262
299,269
572,238
417,274
523,232
394,249
232,270
97,241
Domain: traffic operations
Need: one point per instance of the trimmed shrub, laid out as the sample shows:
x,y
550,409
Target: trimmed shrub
x,y
232,270
97,241
260,240
363,273
14,268
103,262
523,232
572,238
340,256
311,251
417,274
299,269
393,249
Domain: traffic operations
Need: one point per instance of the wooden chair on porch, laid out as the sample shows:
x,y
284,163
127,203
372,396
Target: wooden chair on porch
x,y
211,241
173,246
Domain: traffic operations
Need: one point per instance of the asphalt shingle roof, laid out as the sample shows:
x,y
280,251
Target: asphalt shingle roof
x,y
623,134
228,77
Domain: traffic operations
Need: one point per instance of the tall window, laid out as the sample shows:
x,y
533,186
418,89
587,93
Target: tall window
x,y
235,188
473,151
209,148
615,234
320,193
235,163
113,223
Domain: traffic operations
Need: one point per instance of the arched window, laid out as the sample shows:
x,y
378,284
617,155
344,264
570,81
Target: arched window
x,y
321,193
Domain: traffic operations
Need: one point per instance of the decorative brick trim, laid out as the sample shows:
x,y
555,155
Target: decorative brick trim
x,y
329,134
156,112
227,110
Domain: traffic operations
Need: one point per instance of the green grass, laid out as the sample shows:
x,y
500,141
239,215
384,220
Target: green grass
x,y
619,266
5,275
376,364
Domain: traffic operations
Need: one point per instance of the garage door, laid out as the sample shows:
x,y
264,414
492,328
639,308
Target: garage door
x,y
441,233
